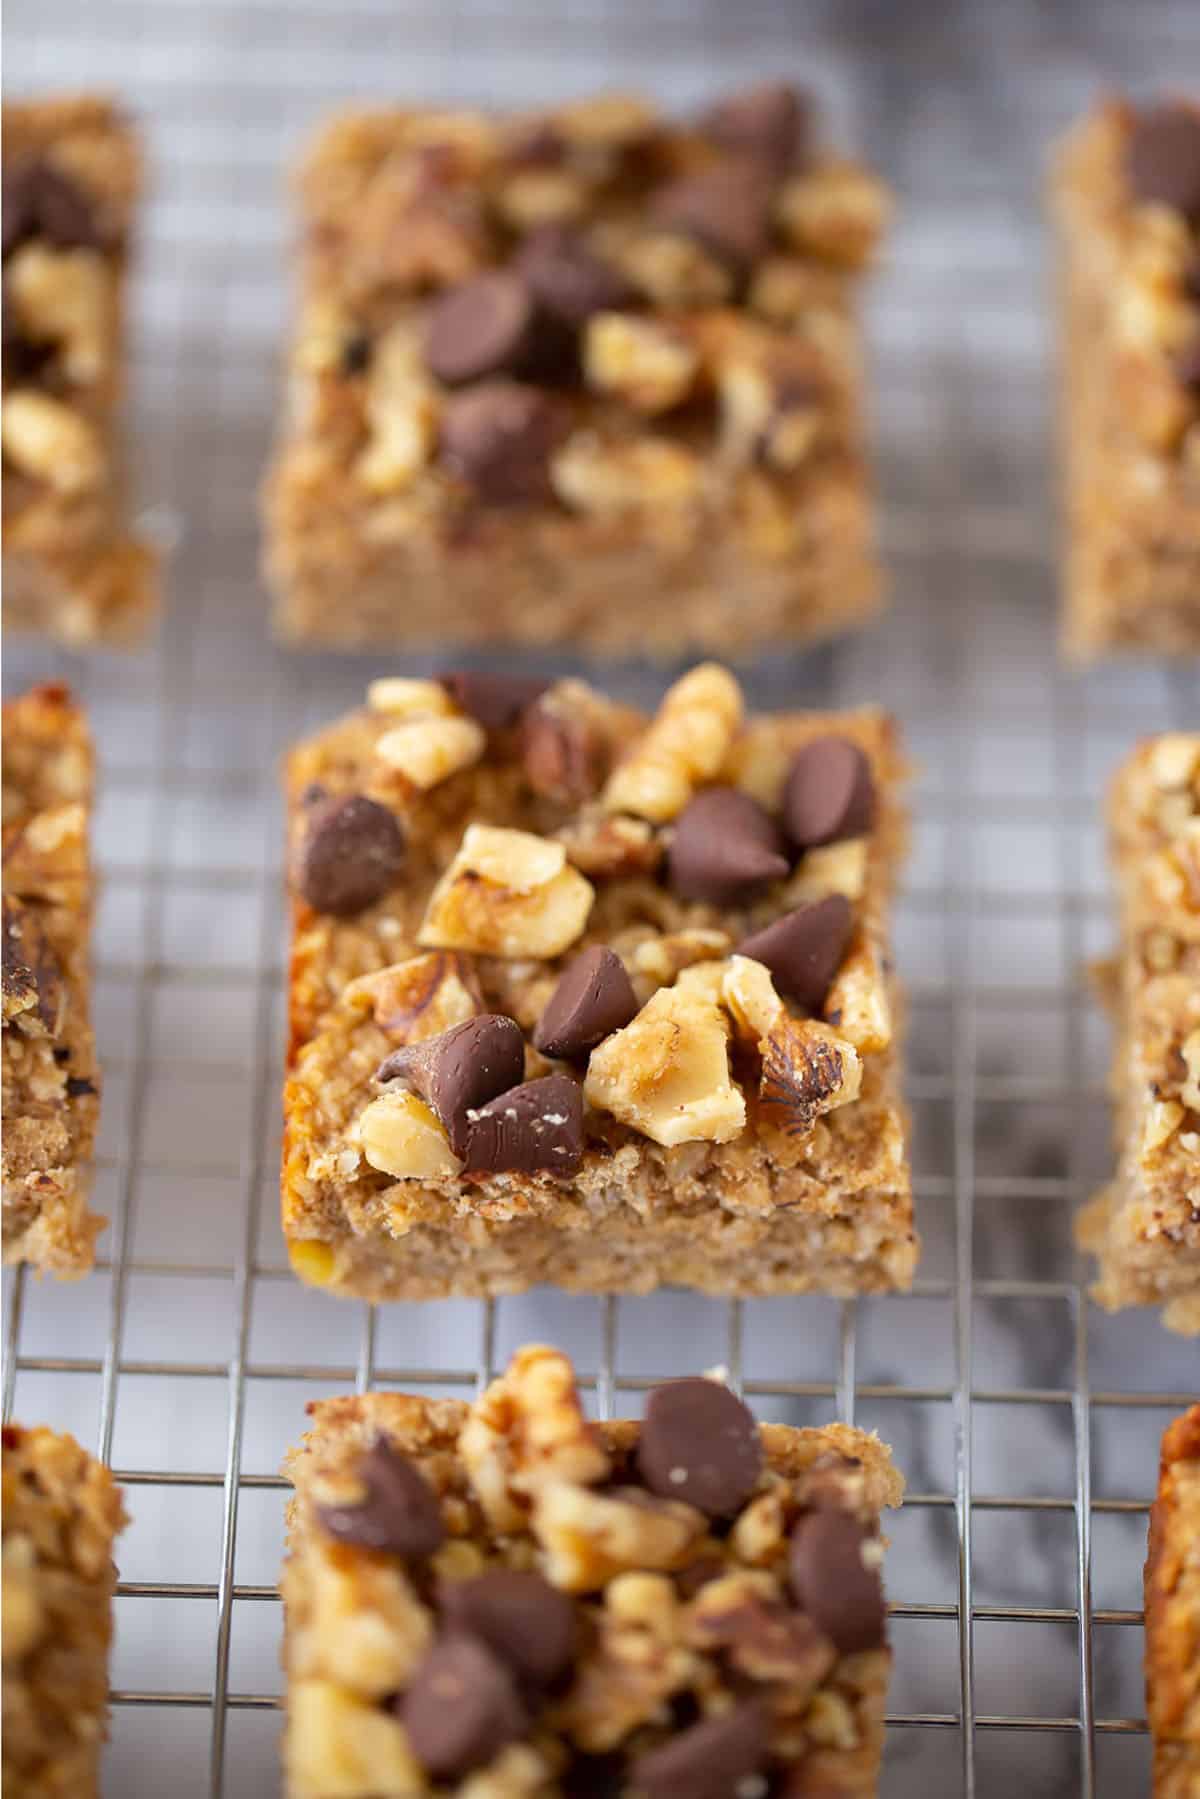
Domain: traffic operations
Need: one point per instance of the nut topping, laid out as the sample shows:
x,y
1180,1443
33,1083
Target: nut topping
x,y
461,1070
507,893
686,743
667,1073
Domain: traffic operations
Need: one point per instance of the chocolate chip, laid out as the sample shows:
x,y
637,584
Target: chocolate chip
x,y
842,1596
32,979
709,1761
768,1641
726,208
462,1708
700,1443
400,1514
829,794
532,1129
1191,278
499,437
770,121
493,701
1163,159
40,201
564,756
23,359
529,1624
351,853
804,949
482,327
725,848
568,278
79,1087
697,1574
594,998
461,1069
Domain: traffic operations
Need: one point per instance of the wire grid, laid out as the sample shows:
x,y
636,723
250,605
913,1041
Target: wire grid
x,y
1026,1422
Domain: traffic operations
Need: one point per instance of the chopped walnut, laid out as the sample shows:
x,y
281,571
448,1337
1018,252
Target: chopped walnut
x,y
837,213
658,961
340,1745
672,270
421,997
830,868
401,413
404,696
807,1068
667,1073
686,743
529,1429
427,751
531,197
44,438
366,1627
400,1135
608,848
588,1537
507,893
65,298
639,475
857,1003
649,365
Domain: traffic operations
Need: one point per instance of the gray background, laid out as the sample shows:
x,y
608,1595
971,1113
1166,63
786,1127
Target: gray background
x,y
188,1356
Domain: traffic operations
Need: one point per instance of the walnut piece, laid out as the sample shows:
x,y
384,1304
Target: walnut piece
x,y
50,441
406,696
507,893
421,997
365,1625
686,743
647,364
340,1746
64,298
837,213
638,475
588,1537
667,1073
807,1068
427,751
401,1136
402,413
529,1428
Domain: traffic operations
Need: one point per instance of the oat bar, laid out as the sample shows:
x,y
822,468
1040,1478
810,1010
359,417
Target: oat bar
x,y
62,1511
1145,1227
1173,1614
72,568
1126,197
586,375
503,1599
585,997
51,1081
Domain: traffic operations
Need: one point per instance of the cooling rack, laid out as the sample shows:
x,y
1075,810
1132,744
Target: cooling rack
x,y
1027,1423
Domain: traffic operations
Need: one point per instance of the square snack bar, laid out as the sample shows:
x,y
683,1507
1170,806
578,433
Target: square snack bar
x,y
505,1599
582,376
72,179
1173,1614
1145,1226
582,997
51,1081
1126,196
62,1511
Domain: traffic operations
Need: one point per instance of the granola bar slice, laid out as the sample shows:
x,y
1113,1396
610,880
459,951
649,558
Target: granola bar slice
x,y
72,179
586,375
1145,1227
1126,199
62,1512
584,997
1173,1613
505,1598
51,1080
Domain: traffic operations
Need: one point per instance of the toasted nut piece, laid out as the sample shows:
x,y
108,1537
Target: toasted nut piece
x,y
589,1537
532,197
658,960
339,1746
406,697
830,868
48,440
1174,759
64,297
830,1721
1189,1049
667,1073
604,120
807,1068
642,361
402,413
674,270
507,893
400,1135
365,1625
1163,1119
527,1429
837,213
686,743
427,751
24,1614
635,476
420,998
605,847
857,1003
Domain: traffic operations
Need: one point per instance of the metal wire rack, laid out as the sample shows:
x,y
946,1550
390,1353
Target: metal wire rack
x,y
1026,1422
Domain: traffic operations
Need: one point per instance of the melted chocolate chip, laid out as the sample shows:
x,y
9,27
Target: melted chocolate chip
x,y
829,793
536,1128
461,1069
594,998
482,327
493,701
400,1513
710,1760
727,209
832,1583
498,437
804,949
725,848
351,853
769,121
700,1443
525,1621
462,1708
569,280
